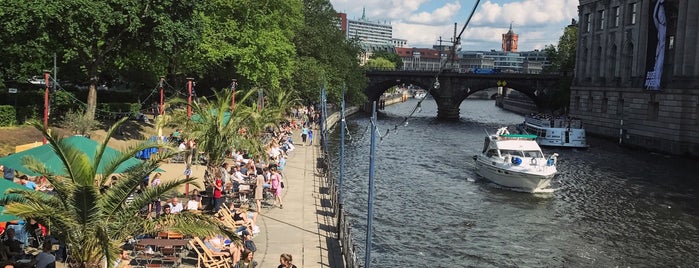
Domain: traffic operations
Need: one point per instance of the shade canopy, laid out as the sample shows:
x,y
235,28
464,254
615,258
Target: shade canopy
x,y
4,186
47,155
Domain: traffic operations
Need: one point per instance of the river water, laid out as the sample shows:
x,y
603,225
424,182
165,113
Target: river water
x,y
611,206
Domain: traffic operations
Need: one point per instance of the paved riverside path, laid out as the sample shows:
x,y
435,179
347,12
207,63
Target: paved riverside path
x,y
304,228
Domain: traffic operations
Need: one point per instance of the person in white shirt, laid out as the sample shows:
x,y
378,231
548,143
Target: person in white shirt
x,y
175,206
194,202
237,175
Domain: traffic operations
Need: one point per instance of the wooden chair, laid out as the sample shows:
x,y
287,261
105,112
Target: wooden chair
x,y
205,259
162,235
174,235
211,252
170,257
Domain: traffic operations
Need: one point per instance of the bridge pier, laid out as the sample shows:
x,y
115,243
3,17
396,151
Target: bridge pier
x,y
446,109
448,114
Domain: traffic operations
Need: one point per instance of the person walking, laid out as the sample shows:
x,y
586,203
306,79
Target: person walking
x,y
285,261
275,179
259,191
304,134
310,137
246,260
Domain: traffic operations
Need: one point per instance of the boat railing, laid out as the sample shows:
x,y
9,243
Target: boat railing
x,y
555,122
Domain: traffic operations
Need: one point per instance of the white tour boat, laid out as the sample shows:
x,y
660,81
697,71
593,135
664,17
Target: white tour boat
x,y
561,131
515,161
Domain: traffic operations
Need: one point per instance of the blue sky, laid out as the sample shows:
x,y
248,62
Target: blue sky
x,y
422,22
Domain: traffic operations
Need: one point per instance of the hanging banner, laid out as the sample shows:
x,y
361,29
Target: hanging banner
x,y
657,36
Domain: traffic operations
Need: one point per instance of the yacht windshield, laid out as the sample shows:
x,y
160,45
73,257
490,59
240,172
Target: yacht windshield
x,y
533,154
511,152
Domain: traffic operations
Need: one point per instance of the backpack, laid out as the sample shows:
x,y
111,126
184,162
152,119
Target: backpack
x,y
9,173
249,245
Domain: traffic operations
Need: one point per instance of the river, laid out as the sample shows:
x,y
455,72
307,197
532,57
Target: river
x,y
611,206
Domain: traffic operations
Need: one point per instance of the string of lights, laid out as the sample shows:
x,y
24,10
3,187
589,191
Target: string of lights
x,y
435,85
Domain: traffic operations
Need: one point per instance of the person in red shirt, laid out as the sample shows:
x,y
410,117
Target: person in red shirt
x,y
218,192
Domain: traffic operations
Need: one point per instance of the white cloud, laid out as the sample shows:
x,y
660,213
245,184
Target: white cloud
x,y
443,14
526,12
422,22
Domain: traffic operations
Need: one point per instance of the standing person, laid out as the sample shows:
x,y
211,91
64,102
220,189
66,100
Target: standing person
x,y
275,179
155,181
246,260
304,134
310,137
285,261
259,191
218,193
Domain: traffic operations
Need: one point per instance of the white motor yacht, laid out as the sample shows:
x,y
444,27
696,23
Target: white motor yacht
x,y
515,161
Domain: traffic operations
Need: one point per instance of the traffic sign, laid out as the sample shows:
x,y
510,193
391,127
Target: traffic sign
x,y
12,90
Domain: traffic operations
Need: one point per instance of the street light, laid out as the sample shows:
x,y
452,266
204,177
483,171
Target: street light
x,y
234,84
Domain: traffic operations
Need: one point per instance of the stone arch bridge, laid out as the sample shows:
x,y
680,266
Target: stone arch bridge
x,y
455,87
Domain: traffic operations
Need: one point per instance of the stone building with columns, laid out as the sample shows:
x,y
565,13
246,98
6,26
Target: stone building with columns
x,y
637,73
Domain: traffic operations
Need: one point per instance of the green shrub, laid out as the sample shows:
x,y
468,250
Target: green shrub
x,y
8,116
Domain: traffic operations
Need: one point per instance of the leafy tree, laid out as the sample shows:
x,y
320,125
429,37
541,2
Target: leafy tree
x,y
393,57
381,63
95,223
254,36
328,55
562,56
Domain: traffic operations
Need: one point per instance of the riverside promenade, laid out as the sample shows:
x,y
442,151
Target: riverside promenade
x,y
305,227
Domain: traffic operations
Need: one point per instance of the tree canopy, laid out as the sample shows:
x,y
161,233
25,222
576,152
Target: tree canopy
x,y
276,45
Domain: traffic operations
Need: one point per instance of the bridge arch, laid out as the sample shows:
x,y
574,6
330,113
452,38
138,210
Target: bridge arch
x,y
454,88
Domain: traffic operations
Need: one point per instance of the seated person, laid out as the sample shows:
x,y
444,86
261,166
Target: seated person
x,y
194,202
45,258
217,245
12,246
175,206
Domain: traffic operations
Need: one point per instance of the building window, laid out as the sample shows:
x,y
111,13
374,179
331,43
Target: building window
x,y
633,10
604,105
601,19
588,22
590,100
653,110
616,13
576,104
671,42
620,107
613,61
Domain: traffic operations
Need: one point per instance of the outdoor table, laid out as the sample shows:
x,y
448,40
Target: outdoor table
x,y
163,243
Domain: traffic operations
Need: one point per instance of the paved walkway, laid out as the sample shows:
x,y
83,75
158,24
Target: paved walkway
x,y
304,228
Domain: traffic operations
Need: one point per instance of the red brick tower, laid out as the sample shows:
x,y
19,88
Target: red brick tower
x,y
509,41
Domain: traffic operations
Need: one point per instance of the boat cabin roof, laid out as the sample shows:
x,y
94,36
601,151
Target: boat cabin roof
x,y
523,142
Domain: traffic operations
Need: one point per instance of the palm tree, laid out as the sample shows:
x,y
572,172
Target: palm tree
x,y
93,223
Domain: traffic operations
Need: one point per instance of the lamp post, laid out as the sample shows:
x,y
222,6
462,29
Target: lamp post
x,y
161,111
46,102
234,84
260,99
189,99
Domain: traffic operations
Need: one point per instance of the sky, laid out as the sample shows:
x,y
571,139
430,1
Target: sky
x,y
423,22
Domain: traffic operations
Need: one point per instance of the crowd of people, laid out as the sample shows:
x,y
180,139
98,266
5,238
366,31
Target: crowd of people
x,y
235,194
